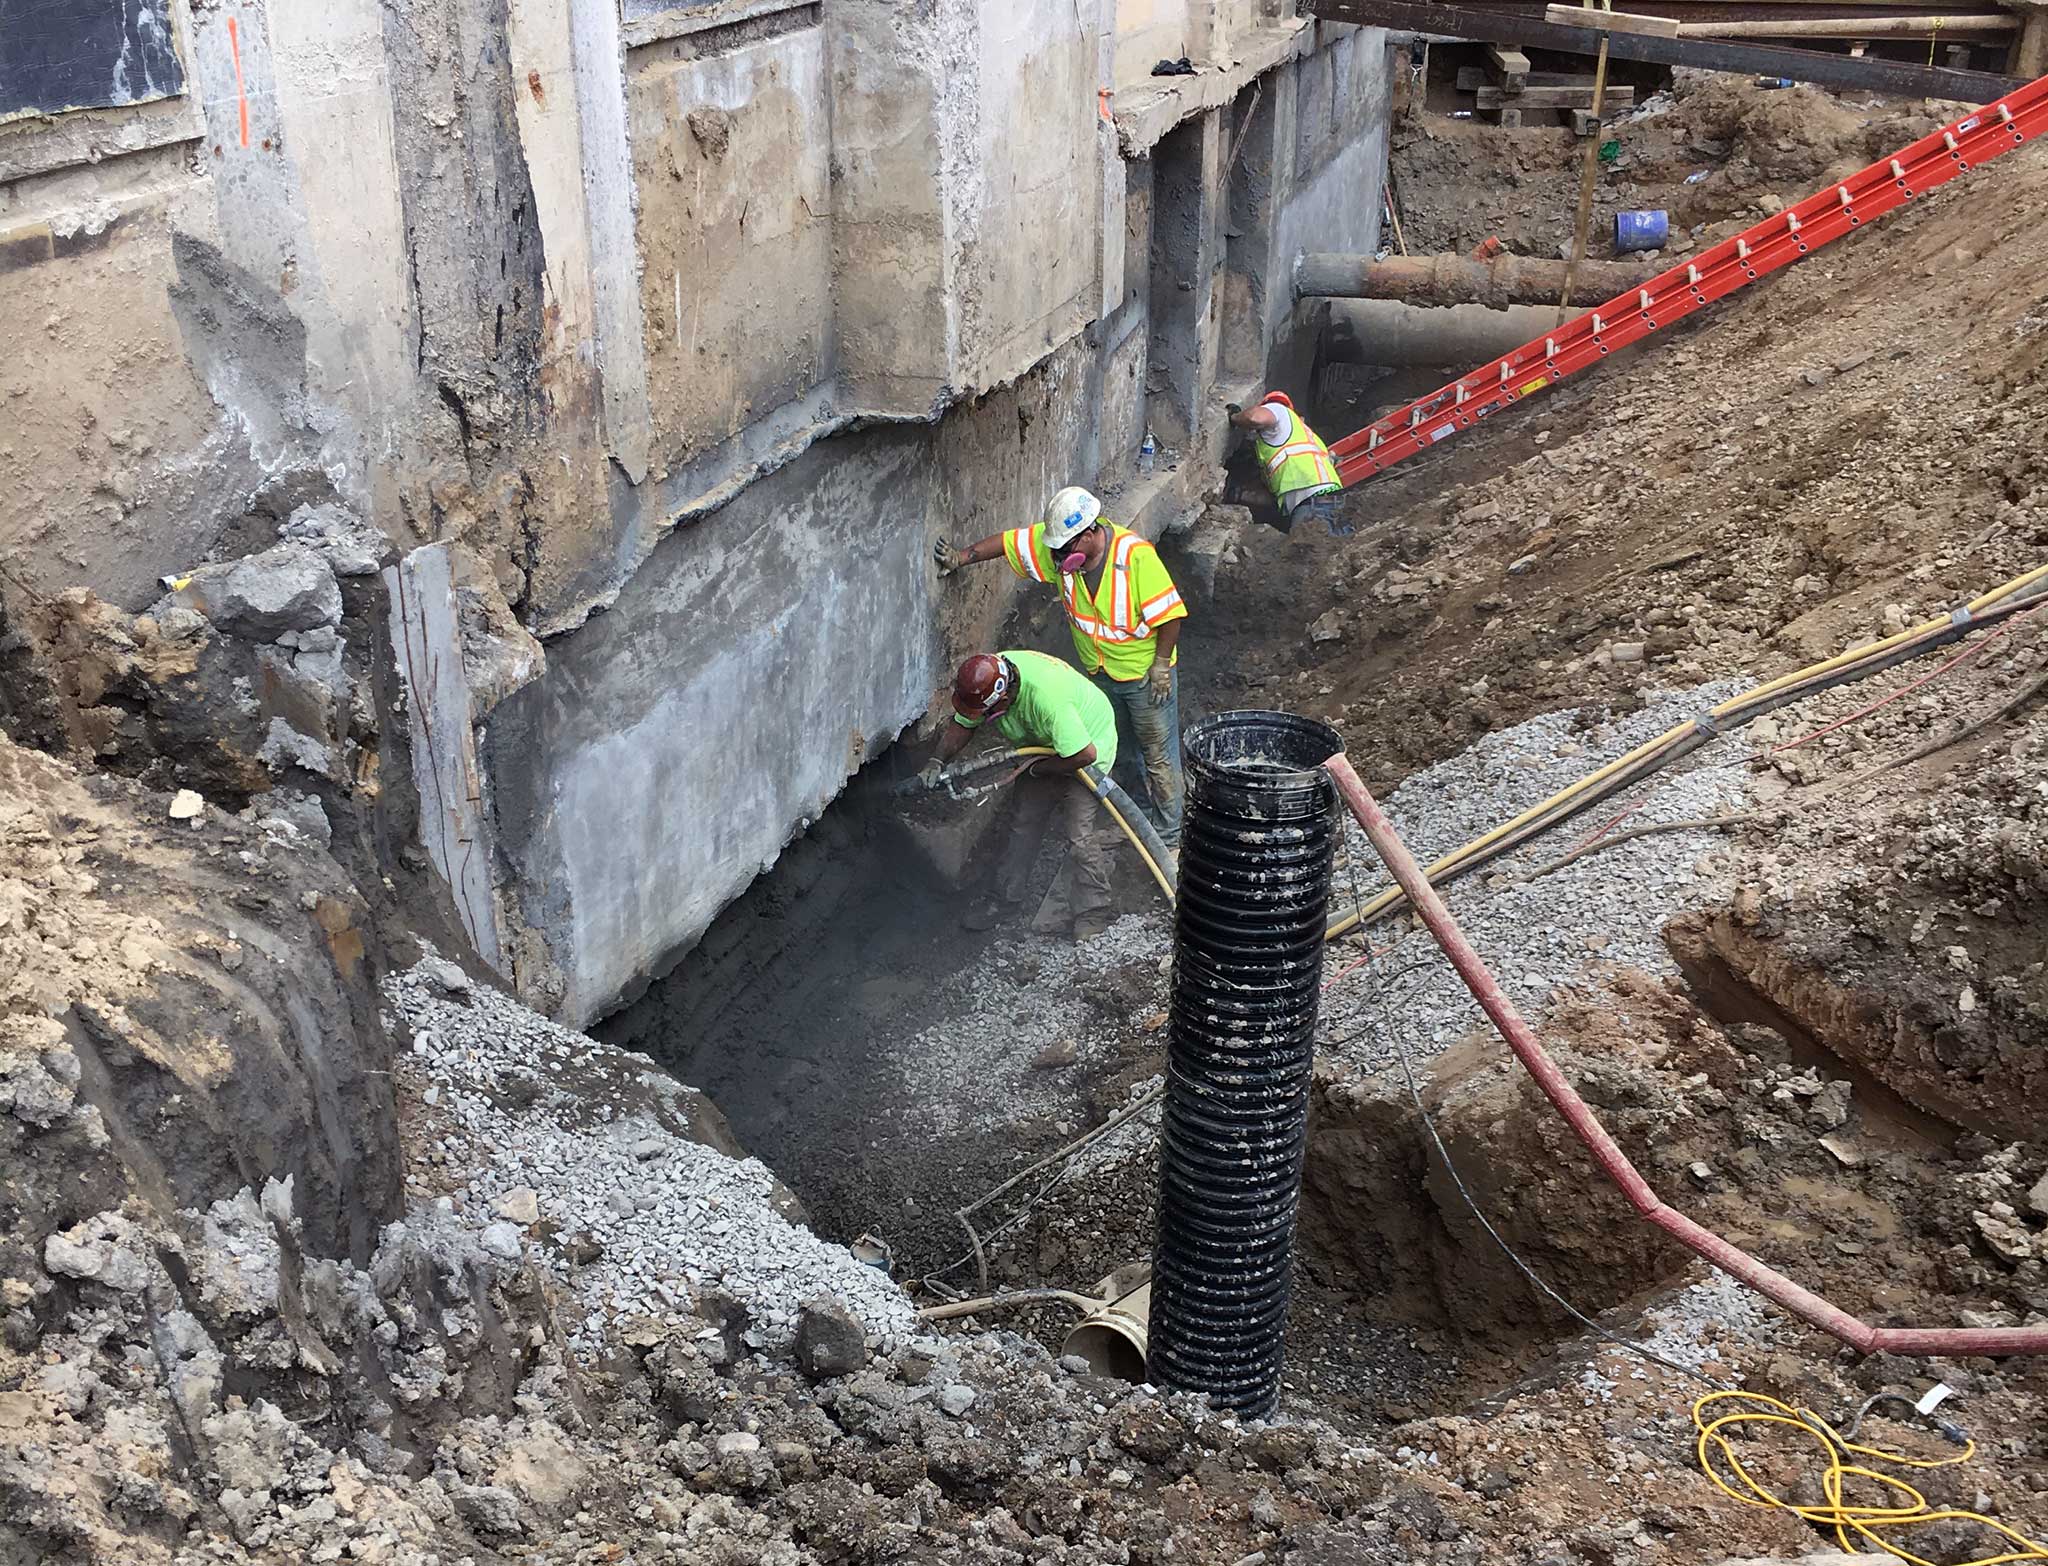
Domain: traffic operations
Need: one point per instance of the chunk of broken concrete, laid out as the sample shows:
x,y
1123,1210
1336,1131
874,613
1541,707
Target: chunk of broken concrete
x,y
830,1341
521,1205
502,1240
187,806
445,976
262,596
1325,628
2038,1197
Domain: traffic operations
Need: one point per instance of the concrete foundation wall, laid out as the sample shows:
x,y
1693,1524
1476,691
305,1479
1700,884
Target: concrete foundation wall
x,y
687,329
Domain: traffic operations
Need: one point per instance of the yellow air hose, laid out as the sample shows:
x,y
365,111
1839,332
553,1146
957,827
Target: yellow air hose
x,y
1868,1521
1775,693
1096,781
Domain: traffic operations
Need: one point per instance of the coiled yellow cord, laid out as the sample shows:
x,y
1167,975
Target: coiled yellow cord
x,y
1838,1513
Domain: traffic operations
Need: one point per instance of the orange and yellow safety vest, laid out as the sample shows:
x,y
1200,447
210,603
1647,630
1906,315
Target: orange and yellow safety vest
x,y
1302,462
1115,626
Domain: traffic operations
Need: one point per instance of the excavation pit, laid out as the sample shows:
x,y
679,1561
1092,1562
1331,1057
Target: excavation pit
x,y
890,1066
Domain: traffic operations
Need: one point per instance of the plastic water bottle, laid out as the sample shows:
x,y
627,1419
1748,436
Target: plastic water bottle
x,y
1148,456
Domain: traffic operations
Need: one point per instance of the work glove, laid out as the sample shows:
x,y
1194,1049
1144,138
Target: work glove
x,y
949,558
1233,408
1162,683
933,774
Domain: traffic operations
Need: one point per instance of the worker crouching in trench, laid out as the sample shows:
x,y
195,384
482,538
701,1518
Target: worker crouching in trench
x,y
1034,700
1284,471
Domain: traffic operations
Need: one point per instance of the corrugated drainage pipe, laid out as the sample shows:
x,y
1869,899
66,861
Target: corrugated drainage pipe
x,y
1256,848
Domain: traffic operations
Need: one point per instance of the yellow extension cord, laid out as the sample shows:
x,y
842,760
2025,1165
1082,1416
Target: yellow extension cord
x,y
1838,1512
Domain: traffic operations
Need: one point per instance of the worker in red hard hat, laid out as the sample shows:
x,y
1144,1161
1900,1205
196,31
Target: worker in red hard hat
x,y
1036,701
1296,472
1125,614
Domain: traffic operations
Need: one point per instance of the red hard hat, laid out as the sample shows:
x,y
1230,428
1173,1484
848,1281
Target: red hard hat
x,y
1282,398
984,685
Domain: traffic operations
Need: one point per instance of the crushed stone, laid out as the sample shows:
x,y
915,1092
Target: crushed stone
x,y
668,1217
1539,937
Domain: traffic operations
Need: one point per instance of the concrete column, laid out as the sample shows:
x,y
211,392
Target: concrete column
x,y
890,243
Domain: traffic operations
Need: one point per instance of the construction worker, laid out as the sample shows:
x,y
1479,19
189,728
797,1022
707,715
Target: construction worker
x,y
1125,613
1036,700
1296,472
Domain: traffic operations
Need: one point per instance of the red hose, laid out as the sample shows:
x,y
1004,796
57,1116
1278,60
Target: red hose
x,y
1521,1038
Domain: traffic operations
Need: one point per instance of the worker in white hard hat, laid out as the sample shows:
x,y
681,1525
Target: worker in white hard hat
x,y
1295,471
1125,613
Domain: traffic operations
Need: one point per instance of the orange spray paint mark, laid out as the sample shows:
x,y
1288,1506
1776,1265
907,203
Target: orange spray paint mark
x,y
241,93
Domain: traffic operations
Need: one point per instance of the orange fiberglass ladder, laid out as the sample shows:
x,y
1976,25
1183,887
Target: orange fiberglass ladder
x,y
1778,241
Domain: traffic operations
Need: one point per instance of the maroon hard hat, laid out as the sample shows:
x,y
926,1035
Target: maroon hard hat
x,y
984,686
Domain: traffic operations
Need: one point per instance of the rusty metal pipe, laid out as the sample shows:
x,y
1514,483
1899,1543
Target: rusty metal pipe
x,y
1453,280
1521,1038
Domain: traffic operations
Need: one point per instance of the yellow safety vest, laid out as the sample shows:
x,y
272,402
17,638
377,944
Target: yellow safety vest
x,y
1303,463
1113,629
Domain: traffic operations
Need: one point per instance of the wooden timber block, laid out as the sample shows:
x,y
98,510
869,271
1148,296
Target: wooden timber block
x,y
1511,65
1585,122
1610,21
1508,119
1555,98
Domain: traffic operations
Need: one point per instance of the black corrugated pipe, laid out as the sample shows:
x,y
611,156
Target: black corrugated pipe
x,y
1255,859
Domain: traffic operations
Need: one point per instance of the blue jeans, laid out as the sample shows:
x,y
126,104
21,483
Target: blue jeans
x,y
1152,734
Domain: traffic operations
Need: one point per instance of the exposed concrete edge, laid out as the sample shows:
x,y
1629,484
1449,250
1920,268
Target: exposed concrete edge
x,y
659,28
1146,113
33,143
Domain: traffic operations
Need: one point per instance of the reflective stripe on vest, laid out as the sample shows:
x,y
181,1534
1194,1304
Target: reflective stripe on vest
x,y
1125,623
1303,463
1020,542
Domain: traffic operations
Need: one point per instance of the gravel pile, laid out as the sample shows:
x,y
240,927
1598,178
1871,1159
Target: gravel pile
x,y
563,1140
1542,936
986,1069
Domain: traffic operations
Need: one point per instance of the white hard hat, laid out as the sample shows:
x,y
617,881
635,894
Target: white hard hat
x,y
1069,513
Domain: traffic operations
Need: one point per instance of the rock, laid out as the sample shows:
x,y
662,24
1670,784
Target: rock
x,y
187,806
1523,566
260,597
649,1148
957,1399
1629,652
2037,1198
65,1260
1265,1511
1967,1000
502,1240
2008,1238
520,1205
829,1341
1061,1052
1830,1108
738,1443
445,976
489,1508
1074,1365
1842,1151
1325,628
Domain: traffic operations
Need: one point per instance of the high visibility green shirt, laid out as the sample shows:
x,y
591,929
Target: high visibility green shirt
x,y
1115,624
1055,705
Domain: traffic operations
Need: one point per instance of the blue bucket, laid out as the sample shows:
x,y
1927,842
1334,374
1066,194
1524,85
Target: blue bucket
x,y
1641,231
